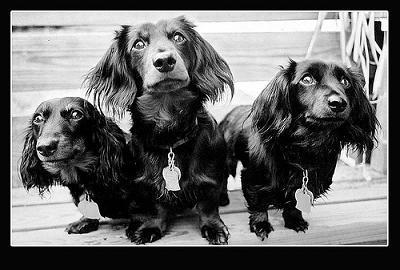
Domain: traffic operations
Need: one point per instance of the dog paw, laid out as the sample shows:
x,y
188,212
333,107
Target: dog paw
x,y
142,235
216,234
83,226
296,224
261,229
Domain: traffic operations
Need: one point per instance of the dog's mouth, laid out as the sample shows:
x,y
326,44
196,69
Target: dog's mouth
x,y
169,84
329,119
61,159
325,120
55,161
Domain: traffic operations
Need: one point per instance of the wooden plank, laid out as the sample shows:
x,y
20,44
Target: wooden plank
x,y
61,61
43,216
21,197
333,224
25,103
51,212
63,18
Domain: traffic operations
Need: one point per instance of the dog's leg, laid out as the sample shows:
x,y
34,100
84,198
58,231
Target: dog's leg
x,y
224,197
147,228
258,198
83,225
259,224
294,219
258,201
211,226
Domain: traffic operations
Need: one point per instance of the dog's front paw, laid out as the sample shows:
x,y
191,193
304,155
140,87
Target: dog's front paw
x,y
297,224
261,229
142,235
215,233
84,225
294,220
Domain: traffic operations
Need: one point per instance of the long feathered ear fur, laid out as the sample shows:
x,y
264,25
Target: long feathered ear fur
x,y
111,81
109,141
271,111
31,171
363,123
210,72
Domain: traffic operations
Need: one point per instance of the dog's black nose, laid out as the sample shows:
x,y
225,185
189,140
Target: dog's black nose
x,y
337,104
47,148
164,63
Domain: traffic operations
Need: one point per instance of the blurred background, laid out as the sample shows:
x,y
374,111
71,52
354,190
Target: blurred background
x,y
53,50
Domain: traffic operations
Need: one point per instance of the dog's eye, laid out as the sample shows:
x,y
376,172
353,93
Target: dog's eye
x,y
179,38
139,44
76,115
307,80
345,82
38,119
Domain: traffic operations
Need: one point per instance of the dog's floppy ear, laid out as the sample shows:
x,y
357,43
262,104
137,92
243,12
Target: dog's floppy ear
x,y
210,72
363,120
110,142
271,111
111,81
31,171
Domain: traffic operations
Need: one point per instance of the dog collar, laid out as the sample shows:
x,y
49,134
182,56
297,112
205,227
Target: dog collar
x,y
182,141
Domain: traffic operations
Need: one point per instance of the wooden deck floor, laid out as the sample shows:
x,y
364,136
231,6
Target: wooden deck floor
x,y
353,213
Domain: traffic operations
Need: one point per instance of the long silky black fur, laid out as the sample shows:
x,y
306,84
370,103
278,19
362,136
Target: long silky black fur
x,y
160,120
275,143
103,170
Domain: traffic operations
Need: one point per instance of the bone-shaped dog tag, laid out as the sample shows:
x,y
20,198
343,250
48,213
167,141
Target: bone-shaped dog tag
x,y
311,195
303,200
171,176
171,173
89,208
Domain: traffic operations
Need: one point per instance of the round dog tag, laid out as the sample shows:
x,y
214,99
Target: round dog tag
x,y
171,177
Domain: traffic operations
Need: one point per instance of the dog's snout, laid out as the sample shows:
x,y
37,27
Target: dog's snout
x,y
164,62
48,147
336,103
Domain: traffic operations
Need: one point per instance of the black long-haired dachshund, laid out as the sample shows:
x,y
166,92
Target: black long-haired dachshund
x,y
163,74
68,142
289,140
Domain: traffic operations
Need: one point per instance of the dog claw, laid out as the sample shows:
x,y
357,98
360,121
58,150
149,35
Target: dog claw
x,y
215,235
143,235
261,229
298,225
82,226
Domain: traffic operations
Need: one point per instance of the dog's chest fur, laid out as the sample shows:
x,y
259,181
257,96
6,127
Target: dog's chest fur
x,y
165,112
291,170
153,160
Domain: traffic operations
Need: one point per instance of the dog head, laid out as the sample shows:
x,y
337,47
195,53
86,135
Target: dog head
x,y
315,96
66,135
168,56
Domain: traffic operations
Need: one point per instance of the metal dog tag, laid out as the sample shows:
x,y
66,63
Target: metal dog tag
x,y
88,207
311,195
303,202
171,177
171,173
304,197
